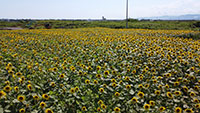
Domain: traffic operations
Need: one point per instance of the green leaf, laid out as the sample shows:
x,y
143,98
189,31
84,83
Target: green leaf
x,y
131,92
1,110
121,98
83,98
7,111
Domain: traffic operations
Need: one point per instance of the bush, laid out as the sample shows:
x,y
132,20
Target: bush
x,y
197,24
47,26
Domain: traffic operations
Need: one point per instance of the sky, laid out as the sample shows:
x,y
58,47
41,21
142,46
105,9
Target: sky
x,y
95,9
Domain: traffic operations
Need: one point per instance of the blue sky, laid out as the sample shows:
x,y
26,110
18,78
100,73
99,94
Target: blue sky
x,y
94,9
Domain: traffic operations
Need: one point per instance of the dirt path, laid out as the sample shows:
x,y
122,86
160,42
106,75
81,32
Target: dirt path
x,y
11,28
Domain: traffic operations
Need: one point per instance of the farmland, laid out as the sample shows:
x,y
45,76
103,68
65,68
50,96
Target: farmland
x,y
116,24
99,70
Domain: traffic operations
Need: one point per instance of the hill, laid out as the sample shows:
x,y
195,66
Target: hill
x,y
181,17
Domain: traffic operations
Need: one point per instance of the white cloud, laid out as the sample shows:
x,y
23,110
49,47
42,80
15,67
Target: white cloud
x,y
171,7
178,7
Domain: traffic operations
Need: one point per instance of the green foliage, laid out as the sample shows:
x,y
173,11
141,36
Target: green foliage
x,y
116,24
197,24
133,20
47,25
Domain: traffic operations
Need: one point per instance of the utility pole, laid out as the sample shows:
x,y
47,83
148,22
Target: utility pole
x,y
126,13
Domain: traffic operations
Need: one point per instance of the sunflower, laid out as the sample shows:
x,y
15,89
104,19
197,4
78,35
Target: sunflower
x,y
134,71
9,65
55,69
146,106
157,92
69,61
98,75
48,110
62,76
22,78
146,85
29,67
128,70
141,78
153,77
72,90
117,109
21,98
101,90
61,85
7,88
159,77
52,84
84,108
99,109
192,68
36,97
117,94
196,100
197,106
178,110
11,72
140,94
177,93
168,75
2,94
106,72
103,106
114,72
152,103
104,85
95,82
64,67
89,68
87,81
169,95
176,83
29,87
72,68
76,88
120,82
140,86
127,78
114,84
187,75
100,102
22,110
179,79
167,86
161,109
113,80
196,88
45,96
185,88
128,86
42,104
7,82
29,82
188,110
155,81
18,74
134,100
80,72
192,94
98,67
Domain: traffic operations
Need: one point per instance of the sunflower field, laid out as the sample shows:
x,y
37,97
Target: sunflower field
x,y
92,70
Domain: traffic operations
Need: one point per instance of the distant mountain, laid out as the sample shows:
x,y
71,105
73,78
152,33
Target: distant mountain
x,y
181,17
